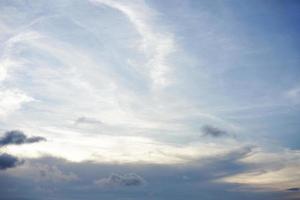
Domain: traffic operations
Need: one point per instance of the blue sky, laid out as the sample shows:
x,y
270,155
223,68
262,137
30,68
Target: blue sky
x,y
205,94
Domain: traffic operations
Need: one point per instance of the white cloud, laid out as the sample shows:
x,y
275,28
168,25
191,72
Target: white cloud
x,y
12,100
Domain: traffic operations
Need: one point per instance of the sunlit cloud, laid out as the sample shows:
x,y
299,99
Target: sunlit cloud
x,y
268,170
12,100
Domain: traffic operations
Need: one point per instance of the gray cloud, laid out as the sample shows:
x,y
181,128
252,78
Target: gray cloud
x,y
18,137
295,189
87,120
52,173
213,131
165,181
8,161
113,180
14,137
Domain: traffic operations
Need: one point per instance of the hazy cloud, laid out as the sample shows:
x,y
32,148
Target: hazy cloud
x,y
294,94
53,173
114,180
8,161
18,137
87,120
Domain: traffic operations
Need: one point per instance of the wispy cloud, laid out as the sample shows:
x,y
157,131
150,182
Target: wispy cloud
x,y
111,82
11,99
156,44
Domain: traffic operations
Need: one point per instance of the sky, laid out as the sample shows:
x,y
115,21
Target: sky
x,y
149,99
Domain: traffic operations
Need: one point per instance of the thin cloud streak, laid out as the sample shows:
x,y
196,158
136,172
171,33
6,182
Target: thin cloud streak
x,y
156,46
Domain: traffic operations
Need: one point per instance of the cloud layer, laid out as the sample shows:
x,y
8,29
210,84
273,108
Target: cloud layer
x,y
195,180
129,92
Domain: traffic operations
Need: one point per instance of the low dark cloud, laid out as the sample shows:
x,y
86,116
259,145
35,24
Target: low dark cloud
x,y
214,131
18,137
295,189
194,180
8,161
114,180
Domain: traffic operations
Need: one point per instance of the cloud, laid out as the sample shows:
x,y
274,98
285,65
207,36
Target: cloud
x,y
295,189
88,120
157,45
8,161
269,170
213,131
165,181
115,180
11,100
14,137
54,174
198,179
18,137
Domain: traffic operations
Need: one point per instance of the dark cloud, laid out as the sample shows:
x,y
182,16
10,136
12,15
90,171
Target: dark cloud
x,y
213,131
163,181
18,137
8,161
113,180
14,137
295,189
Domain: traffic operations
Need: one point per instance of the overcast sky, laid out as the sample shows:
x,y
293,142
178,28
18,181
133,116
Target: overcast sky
x,y
158,100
